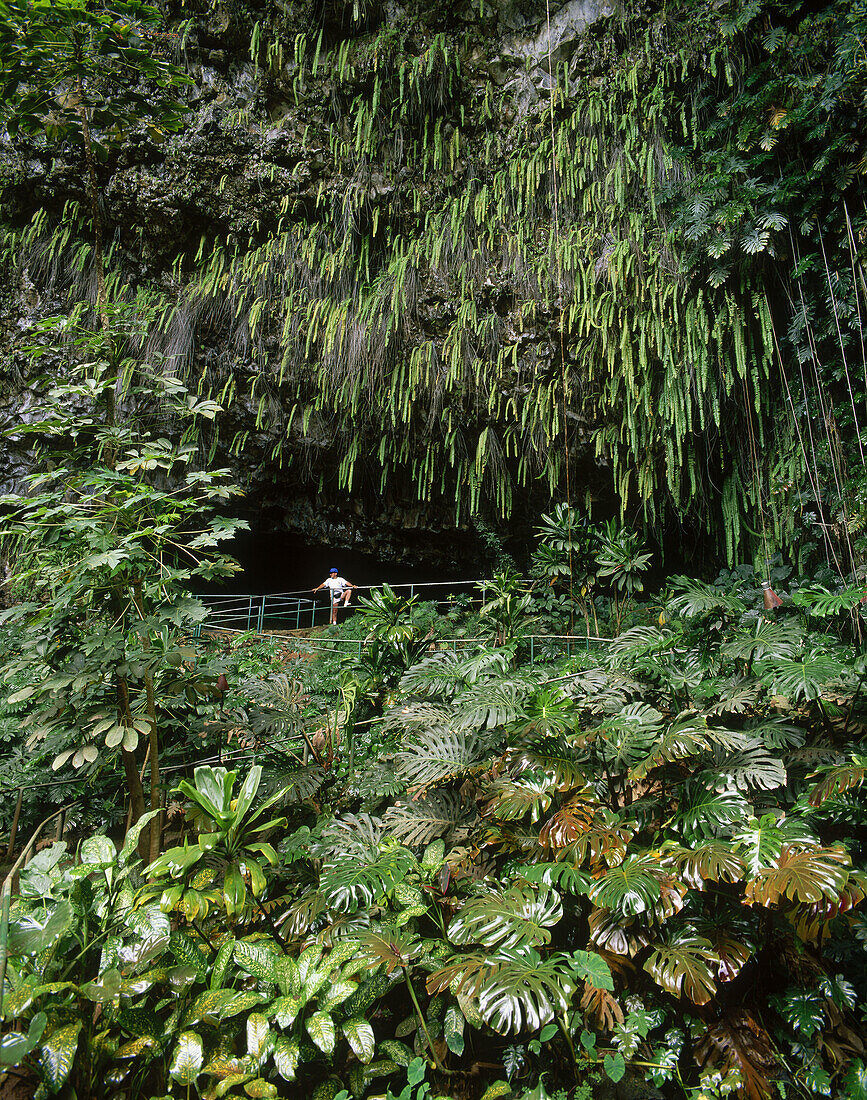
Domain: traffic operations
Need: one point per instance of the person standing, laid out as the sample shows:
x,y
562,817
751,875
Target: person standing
x,y
340,588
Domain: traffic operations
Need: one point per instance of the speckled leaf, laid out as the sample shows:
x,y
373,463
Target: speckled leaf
x,y
223,1066
260,1088
336,994
453,1029
314,981
221,962
210,1003
320,1028
256,960
399,1053
287,1053
359,1035
57,1055
288,976
188,954
135,1047
257,1034
242,1002
188,1058
229,1083
341,954
285,1009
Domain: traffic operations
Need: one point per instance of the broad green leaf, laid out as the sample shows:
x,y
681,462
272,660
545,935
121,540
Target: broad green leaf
x,y
614,1066
28,935
234,891
359,1035
592,968
98,851
104,988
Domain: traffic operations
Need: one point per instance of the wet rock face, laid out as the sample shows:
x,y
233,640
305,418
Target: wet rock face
x,y
251,156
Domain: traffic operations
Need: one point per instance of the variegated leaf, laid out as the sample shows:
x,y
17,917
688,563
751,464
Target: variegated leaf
x,y
57,1055
188,1058
359,1035
257,1034
287,1054
320,1028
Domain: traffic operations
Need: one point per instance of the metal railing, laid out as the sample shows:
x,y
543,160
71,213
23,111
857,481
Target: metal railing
x,y
300,610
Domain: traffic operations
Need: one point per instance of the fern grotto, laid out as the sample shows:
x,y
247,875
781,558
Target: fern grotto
x,y
562,298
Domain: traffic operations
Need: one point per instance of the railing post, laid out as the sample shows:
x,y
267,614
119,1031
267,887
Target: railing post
x,y
313,613
262,616
250,612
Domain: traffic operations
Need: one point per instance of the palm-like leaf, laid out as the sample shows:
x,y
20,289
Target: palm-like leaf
x,y
440,754
517,917
769,640
630,888
693,597
683,965
514,989
804,877
348,885
435,814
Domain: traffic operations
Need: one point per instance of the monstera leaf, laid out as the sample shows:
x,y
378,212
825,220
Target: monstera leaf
x,y
633,887
803,877
685,737
836,780
684,965
347,884
802,679
508,800
627,737
517,917
713,862
750,768
514,989
418,821
439,754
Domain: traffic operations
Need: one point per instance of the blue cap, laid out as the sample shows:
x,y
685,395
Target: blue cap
x,y
333,569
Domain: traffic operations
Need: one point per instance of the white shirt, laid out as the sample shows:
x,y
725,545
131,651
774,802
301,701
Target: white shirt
x,y
337,585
